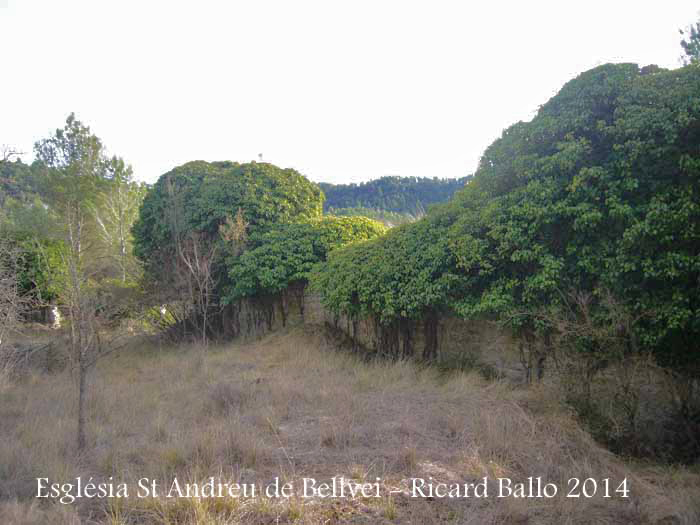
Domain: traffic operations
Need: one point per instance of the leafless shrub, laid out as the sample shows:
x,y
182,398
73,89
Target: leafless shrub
x,y
7,152
14,303
192,267
626,399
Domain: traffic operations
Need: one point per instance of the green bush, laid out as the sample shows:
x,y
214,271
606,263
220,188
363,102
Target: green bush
x,y
600,191
199,197
287,254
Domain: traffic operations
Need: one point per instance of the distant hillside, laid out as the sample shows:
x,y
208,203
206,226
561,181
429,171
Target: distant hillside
x,y
17,181
388,218
404,195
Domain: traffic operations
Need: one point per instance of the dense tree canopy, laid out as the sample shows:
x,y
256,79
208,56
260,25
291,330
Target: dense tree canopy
x,y
41,267
198,219
201,196
285,255
599,192
405,273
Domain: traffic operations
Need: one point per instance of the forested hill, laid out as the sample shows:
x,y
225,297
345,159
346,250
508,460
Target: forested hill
x,y
16,181
407,195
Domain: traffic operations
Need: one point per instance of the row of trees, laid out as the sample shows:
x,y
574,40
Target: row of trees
x,y
589,215
210,234
598,191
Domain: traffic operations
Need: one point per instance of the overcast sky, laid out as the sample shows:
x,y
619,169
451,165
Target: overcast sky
x,y
340,90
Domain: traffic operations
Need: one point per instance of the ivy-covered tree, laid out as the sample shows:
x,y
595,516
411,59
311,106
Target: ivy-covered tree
x,y
598,193
185,227
205,195
285,256
404,275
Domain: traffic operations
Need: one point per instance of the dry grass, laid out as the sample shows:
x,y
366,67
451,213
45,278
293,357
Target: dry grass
x,y
290,406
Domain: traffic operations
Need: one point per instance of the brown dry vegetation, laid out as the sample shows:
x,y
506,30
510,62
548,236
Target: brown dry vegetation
x,y
290,406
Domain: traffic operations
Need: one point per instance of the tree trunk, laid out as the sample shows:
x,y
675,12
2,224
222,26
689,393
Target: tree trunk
x,y
300,298
284,307
82,372
430,328
387,336
355,342
406,329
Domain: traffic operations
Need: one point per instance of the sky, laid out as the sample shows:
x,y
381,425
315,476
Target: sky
x,y
342,91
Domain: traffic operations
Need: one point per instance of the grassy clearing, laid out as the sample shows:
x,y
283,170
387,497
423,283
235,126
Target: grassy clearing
x,y
290,406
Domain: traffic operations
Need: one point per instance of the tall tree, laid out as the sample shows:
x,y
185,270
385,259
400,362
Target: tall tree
x,y
75,171
691,44
115,210
76,176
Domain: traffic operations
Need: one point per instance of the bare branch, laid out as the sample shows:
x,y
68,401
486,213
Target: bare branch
x,y
8,152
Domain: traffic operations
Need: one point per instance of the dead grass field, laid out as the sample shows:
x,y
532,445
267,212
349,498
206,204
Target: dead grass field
x,y
290,406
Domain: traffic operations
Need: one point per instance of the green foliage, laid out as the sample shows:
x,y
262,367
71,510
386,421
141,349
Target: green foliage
x,y
286,254
73,171
21,208
404,274
76,210
41,265
404,195
115,210
16,181
28,217
200,196
600,191
73,201
608,201
691,44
